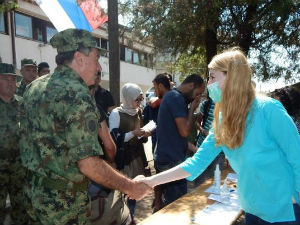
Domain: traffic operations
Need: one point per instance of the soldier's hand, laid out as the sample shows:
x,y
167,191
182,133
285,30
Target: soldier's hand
x,y
140,190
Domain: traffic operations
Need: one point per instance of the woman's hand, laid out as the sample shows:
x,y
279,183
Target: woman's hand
x,y
139,132
145,180
147,133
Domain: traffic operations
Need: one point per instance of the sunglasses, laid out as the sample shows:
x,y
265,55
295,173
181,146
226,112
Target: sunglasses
x,y
139,99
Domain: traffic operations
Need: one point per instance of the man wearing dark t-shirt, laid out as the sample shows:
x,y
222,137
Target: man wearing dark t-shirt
x,y
104,98
173,127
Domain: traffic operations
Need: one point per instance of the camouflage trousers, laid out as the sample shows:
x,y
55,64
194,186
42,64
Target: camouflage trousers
x,y
53,207
12,175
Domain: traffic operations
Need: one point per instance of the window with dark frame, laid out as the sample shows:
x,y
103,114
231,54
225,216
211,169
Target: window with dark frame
x,y
50,32
34,28
143,59
150,61
38,29
135,58
122,52
128,55
3,23
23,25
104,44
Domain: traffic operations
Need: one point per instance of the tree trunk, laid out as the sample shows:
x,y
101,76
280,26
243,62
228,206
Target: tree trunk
x,y
246,29
211,43
114,50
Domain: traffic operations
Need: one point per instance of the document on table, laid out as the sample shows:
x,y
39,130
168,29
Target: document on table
x,y
231,199
213,190
226,208
232,177
217,214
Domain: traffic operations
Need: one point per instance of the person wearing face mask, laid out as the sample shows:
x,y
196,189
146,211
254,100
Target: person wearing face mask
x,y
259,139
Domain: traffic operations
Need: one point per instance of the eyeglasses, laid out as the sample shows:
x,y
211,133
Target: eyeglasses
x,y
139,99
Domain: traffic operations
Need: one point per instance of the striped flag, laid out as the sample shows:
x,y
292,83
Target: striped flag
x,y
81,14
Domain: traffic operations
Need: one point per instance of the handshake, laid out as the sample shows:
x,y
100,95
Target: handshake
x,y
142,187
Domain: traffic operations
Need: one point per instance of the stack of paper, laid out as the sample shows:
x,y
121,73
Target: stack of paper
x,y
226,207
224,213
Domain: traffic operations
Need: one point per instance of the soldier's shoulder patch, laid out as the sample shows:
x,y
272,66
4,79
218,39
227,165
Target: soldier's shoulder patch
x,y
91,123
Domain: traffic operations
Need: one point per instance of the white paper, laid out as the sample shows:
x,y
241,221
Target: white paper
x,y
232,177
213,190
230,199
217,214
150,126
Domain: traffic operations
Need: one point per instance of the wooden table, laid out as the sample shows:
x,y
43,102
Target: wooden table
x,y
182,211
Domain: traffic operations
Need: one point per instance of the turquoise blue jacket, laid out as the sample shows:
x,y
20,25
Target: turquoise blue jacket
x,y
267,163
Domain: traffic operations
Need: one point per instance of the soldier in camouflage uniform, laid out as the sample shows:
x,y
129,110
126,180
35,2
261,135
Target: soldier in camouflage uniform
x,y
59,141
12,173
29,73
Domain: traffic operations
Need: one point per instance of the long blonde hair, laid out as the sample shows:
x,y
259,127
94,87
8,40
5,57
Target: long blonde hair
x,y
237,97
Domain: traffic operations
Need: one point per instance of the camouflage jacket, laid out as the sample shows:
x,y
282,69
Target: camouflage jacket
x,y
21,89
9,128
59,125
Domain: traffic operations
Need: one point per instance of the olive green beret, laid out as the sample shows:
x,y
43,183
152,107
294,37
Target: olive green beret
x,y
72,40
27,62
7,69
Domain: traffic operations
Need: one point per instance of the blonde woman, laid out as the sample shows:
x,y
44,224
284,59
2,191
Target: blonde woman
x,y
259,139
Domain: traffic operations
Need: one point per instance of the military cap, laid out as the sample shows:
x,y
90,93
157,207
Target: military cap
x,y
72,40
8,69
27,62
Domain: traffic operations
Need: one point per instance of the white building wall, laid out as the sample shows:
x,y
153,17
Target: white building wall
x,y
129,73
38,51
5,48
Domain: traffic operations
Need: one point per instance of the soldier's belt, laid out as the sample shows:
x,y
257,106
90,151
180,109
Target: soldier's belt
x,y
60,185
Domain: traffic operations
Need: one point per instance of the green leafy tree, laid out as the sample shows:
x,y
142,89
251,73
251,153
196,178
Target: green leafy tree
x,y
7,5
262,28
189,63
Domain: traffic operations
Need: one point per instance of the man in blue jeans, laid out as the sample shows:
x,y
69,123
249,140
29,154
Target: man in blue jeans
x,y
173,127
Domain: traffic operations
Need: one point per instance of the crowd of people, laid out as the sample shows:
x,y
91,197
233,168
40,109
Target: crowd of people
x,y
69,155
